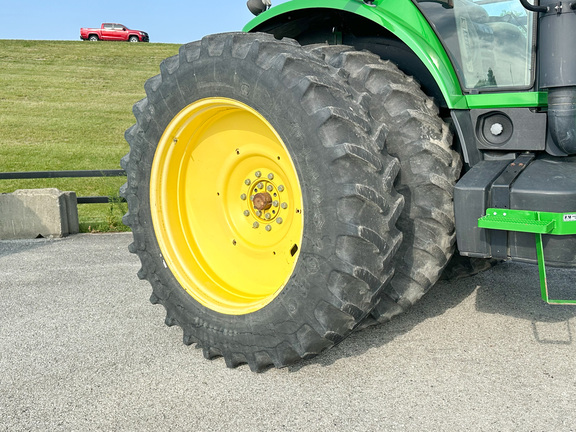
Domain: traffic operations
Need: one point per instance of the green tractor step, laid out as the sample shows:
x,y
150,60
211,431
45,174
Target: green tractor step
x,y
533,222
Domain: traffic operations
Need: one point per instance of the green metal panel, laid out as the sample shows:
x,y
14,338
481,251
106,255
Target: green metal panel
x,y
507,100
536,222
400,17
533,222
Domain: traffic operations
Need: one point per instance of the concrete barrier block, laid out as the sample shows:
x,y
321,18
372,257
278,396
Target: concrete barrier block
x,y
33,213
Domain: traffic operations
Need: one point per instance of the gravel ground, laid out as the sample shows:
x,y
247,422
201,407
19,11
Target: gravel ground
x,y
82,349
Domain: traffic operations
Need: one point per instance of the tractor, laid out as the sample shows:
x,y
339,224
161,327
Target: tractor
x,y
317,172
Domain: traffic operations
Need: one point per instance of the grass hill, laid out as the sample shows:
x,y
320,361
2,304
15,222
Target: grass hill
x,y
65,106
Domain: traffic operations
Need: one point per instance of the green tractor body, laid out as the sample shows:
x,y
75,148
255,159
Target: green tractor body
x,y
317,172
422,38
478,60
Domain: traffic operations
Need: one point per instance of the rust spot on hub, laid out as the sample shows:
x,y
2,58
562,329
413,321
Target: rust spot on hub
x,y
262,201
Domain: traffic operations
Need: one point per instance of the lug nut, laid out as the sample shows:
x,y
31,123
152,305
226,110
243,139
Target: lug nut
x,y
281,188
284,206
271,176
260,185
246,213
279,220
268,215
275,203
255,225
258,213
269,188
268,228
257,173
243,197
247,181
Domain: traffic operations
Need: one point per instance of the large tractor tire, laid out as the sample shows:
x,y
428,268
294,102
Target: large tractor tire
x,y
262,208
414,133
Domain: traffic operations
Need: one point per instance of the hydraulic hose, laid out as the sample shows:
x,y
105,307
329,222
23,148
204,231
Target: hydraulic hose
x,y
534,8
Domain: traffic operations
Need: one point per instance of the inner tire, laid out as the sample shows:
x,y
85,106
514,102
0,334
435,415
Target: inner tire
x,y
229,98
414,133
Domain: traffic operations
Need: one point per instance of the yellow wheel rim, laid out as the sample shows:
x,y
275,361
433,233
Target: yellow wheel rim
x,y
226,205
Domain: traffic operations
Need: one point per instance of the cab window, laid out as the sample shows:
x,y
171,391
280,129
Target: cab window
x,y
489,41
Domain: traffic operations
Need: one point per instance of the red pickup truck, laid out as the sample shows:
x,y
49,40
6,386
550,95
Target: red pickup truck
x,y
113,32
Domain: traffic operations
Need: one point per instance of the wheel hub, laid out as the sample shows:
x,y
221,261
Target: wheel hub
x,y
262,201
268,200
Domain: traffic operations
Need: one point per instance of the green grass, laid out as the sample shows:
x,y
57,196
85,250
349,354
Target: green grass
x,y
65,106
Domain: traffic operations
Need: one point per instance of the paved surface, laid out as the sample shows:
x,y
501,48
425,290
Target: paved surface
x,y
82,349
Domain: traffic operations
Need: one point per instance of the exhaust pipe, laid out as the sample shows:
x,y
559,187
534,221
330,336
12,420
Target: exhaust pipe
x,y
562,118
557,69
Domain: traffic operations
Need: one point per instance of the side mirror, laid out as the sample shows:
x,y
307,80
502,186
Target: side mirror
x,y
258,6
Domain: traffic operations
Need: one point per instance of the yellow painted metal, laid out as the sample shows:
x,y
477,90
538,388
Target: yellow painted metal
x,y
213,157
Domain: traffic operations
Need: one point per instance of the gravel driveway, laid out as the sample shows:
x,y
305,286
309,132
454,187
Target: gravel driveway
x,y
82,349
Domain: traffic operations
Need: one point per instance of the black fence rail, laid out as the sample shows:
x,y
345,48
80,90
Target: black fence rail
x,y
68,174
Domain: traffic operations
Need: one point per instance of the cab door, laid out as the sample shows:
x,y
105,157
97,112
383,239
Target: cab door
x,y
119,32
108,31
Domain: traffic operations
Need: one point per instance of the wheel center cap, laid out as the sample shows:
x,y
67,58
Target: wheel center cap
x,y
262,201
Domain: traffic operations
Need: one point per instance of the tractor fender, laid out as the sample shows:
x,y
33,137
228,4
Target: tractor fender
x,y
399,17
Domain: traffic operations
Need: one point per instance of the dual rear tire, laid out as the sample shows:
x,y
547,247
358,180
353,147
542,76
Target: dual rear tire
x,y
265,205
417,137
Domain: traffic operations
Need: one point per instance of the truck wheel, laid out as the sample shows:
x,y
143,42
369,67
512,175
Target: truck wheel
x,y
262,209
133,39
421,141
93,38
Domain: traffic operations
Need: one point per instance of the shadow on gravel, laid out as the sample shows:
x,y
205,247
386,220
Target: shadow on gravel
x,y
444,296
513,289
509,289
518,295
10,247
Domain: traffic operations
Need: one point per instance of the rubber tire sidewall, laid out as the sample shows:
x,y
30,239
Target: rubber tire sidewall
x,y
293,316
